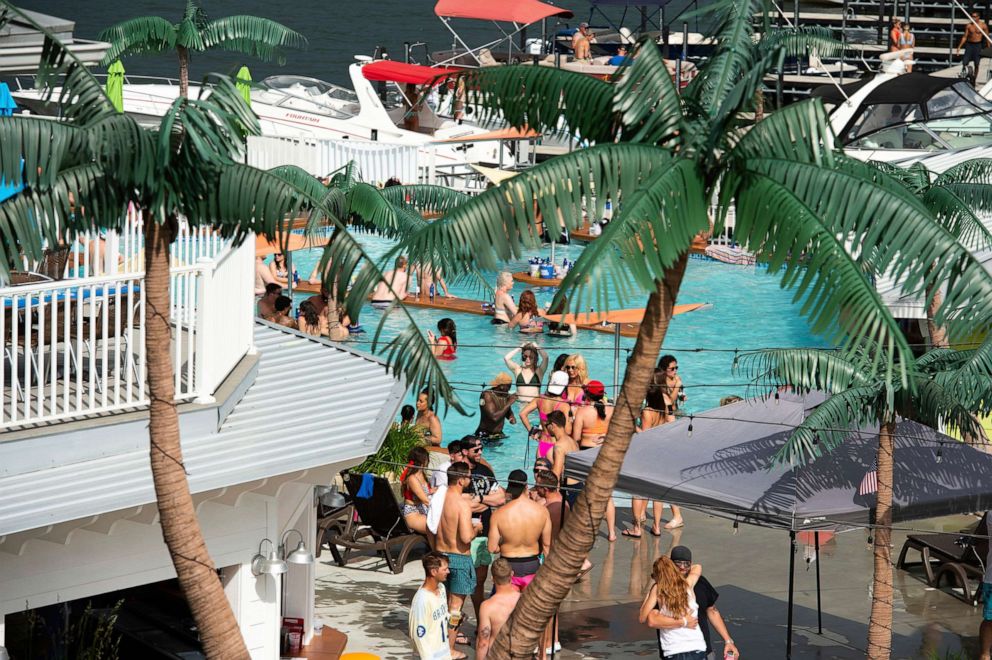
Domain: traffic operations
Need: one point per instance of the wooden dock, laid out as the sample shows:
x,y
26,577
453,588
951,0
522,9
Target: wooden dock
x,y
530,280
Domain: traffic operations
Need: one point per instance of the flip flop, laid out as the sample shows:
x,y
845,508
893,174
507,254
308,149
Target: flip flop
x,y
583,572
627,533
458,655
462,639
669,525
654,532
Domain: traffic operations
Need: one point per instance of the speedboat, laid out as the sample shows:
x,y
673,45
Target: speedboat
x,y
297,106
897,116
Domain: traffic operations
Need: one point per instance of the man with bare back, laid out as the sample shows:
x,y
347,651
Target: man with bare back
x,y
520,530
454,539
495,611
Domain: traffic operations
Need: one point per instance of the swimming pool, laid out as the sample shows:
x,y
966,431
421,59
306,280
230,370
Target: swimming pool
x,y
747,310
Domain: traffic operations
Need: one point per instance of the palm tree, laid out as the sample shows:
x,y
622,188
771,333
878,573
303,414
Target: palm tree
x,y
956,198
861,397
249,35
189,169
668,157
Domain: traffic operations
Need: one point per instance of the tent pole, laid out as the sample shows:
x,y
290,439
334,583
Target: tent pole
x,y
819,610
792,578
616,360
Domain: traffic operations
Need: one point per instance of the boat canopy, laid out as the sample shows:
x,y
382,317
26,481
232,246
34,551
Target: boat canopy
x,y
834,95
522,12
400,72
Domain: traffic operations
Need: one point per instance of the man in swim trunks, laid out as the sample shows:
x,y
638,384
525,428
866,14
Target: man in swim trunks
x,y
496,407
521,531
497,609
454,540
392,287
985,630
975,32
485,493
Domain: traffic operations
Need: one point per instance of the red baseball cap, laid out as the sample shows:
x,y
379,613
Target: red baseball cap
x,y
595,388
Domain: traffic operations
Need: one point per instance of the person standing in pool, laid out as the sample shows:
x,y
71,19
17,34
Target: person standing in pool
x,y
445,344
503,306
528,316
554,399
578,376
392,287
427,420
530,371
495,408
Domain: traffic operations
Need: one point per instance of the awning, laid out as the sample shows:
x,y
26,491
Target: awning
x,y
400,72
726,468
512,11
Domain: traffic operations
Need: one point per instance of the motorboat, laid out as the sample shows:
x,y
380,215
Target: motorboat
x,y
377,108
894,116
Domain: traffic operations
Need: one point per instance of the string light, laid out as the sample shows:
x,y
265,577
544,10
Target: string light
x,y
940,453
736,358
690,425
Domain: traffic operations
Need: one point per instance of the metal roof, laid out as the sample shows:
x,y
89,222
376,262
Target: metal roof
x,y
313,403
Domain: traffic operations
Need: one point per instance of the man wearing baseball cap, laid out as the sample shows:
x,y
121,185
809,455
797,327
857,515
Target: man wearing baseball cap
x,y
581,40
706,597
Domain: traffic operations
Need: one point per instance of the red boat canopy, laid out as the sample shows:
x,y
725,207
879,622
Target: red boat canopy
x,y
400,72
513,11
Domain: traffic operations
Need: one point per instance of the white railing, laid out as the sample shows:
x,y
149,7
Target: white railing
x,y
725,237
377,161
76,347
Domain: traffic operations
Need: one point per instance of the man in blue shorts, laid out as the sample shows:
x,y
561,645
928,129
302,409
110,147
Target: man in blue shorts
x,y
455,532
985,631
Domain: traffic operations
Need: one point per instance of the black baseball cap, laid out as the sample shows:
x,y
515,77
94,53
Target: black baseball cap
x,y
681,553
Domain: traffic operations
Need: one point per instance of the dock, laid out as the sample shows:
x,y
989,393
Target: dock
x,y
530,280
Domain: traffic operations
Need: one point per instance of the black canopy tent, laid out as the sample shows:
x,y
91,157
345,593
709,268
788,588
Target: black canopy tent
x,y
725,467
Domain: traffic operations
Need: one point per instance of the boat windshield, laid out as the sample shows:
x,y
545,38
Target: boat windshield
x,y
954,117
309,95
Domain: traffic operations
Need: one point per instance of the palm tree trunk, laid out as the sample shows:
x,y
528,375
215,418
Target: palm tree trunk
x,y
218,629
938,336
555,578
880,623
759,105
183,70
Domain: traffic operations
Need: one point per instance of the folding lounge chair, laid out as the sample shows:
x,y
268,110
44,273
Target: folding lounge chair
x,y
950,559
382,526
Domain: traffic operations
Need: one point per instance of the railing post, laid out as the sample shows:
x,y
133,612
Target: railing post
x,y
203,306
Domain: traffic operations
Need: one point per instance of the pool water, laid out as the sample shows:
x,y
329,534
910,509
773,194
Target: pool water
x,y
747,310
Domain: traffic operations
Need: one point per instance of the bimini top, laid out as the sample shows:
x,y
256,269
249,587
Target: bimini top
x,y
400,72
524,12
834,96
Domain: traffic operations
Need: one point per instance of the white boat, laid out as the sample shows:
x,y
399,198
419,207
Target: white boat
x,y
297,106
896,116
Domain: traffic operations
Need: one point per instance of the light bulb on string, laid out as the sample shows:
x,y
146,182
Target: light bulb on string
x,y
940,453
737,527
734,366
690,426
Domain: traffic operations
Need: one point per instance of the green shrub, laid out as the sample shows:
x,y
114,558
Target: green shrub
x,y
394,451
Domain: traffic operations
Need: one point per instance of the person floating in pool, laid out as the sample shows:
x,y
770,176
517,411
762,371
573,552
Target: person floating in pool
x,y
495,408
530,372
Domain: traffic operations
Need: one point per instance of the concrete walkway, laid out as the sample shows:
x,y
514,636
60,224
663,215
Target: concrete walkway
x,y
749,568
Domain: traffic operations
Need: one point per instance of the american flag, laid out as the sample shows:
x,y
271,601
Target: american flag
x,y
870,482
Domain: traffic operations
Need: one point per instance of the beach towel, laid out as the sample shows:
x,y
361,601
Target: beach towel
x,y
434,511
367,487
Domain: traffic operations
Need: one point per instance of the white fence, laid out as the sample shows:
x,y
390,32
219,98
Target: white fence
x,y
377,161
76,347
725,237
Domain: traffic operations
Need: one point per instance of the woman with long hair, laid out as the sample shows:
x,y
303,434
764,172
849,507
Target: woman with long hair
x,y
552,399
416,490
279,269
589,430
445,344
530,372
671,383
311,321
578,376
670,608
528,316
657,411
503,306
557,329
427,420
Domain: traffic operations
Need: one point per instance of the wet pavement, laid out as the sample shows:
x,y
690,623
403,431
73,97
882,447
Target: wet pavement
x,y
748,567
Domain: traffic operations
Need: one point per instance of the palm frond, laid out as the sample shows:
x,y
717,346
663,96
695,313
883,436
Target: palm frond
x,y
806,370
375,211
138,36
545,99
425,198
82,99
950,206
646,99
251,35
23,162
968,375
935,405
831,423
731,58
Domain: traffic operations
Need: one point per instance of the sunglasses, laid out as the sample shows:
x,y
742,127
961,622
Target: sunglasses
x,y
683,564
570,367
672,369
475,448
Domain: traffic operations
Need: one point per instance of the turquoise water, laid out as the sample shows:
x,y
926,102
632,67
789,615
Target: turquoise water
x,y
747,310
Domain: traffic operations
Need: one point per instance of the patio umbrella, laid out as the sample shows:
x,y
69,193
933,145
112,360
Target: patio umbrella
x,y
721,462
7,103
243,83
115,85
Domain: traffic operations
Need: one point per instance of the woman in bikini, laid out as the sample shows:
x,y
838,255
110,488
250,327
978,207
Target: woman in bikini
x,y
589,430
657,410
578,376
278,269
428,422
444,345
504,307
553,399
416,491
530,372
528,316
